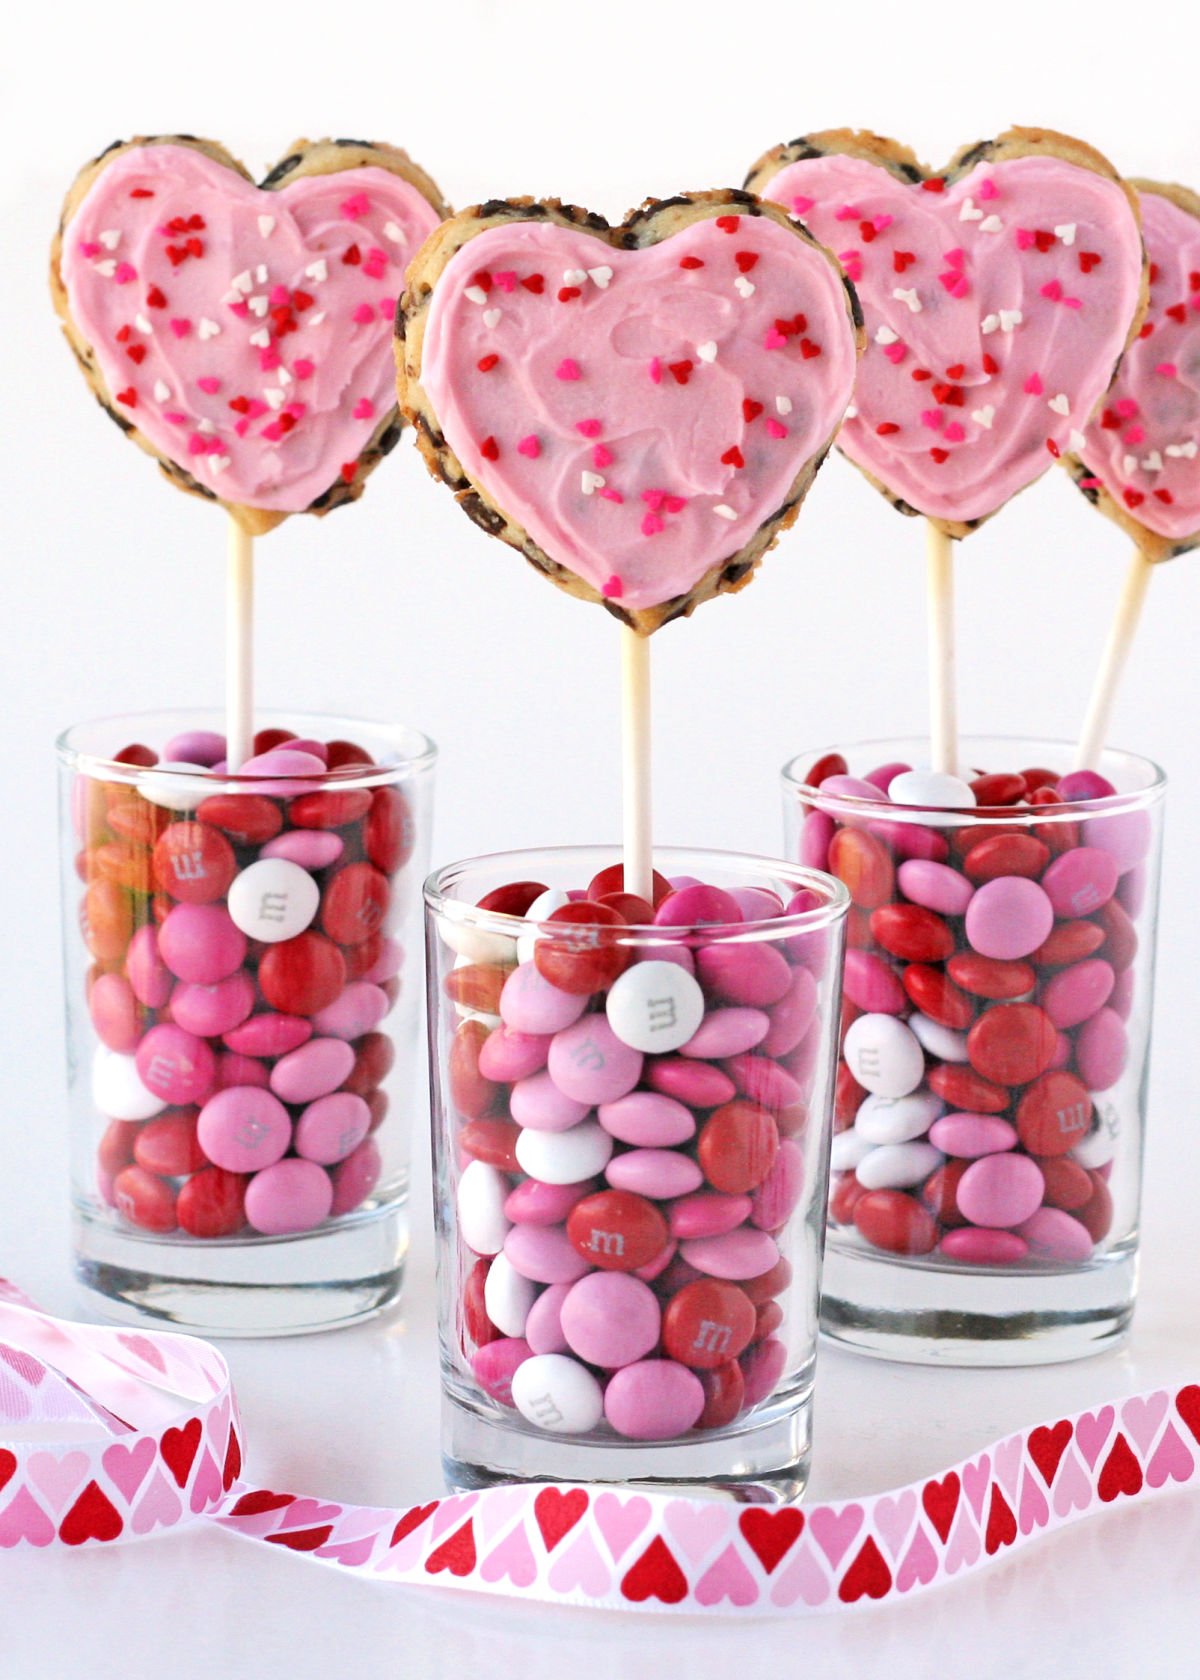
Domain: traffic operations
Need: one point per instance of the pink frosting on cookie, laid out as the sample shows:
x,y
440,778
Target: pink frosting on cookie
x,y
1145,445
996,309
246,333
641,413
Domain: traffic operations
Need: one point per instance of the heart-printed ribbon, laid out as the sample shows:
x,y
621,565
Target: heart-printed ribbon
x,y
240,333
1140,460
108,1435
640,409
998,296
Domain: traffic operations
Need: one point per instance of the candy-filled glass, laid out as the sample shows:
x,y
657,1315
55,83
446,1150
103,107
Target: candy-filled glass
x,y
991,1089
243,988
631,1112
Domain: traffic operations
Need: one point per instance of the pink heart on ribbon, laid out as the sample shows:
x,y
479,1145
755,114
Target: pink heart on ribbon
x,y
694,1527
1072,1489
727,1578
58,1479
1034,1512
643,420
894,1518
1142,1416
834,1530
351,1554
1092,1430
919,1565
1172,1460
29,1369
142,1349
127,1467
580,1568
159,1506
497,1510
803,1579
511,1560
992,333
620,1521
976,1479
451,1512
246,333
24,1520
208,1488
1007,1458
1143,449
964,1546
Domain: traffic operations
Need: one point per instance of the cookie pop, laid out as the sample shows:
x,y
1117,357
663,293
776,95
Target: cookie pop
x,y
639,409
1137,460
998,295
239,333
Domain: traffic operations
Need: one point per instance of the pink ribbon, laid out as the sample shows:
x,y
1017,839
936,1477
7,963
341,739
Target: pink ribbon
x,y
110,1435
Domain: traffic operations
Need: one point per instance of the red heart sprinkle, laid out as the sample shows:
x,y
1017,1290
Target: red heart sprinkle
x,y
808,349
885,428
490,449
733,457
155,299
534,283
566,293
483,279
940,455
128,397
866,232
750,409
1088,260
745,260
935,184
728,224
485,364
902,259
352,255
681,370
1133,498
1043,239
136,353
990,365
124,334
1164,496
957,371
1178,312
691,262
301,301
920,374
348,470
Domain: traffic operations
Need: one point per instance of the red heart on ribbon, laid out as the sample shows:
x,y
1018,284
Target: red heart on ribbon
x,y
302,1539
656,1574
868,1576
1047,1444
558,1512
92,1517
233,1460
8,1467
457,1554
1187,1404
412,1520
1001,1524
771,1534
261,1499
1121,1473
179,1448
940,1500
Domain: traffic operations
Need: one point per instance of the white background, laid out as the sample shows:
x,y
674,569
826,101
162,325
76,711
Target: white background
x,y
401,608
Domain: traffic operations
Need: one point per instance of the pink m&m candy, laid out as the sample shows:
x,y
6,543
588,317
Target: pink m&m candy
x,y
212,1011
176,1065
653,1400
199,943
332,1127
610,1319
289,1197
244,1129
589,1062
317,1068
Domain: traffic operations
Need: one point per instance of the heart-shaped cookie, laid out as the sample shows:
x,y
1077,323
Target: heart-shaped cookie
x,y
998,296
639,409
1140,463
238,333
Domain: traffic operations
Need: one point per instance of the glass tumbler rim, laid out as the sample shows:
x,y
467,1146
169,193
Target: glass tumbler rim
x,y
792,774
833,908
415,751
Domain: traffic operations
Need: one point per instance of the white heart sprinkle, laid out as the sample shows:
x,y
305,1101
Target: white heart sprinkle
x,y
1152,462
207,328
1182,451
110,238
991,224
207,427
476,294
1010,318
724,511
574,276
217,463
969,213
1077,441
260,274
142,324
744,285
394,233
589,481
989,323
707,351
317,270
107,268
601,275
783,404
885,335
985,416
274,396
260,339
242,282
1128,464
258,305
162,390
315,320
266,226
1061,404
284,376
908,295
851,413
491,317
1066,233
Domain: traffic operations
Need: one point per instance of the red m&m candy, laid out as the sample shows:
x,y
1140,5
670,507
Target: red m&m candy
x,y
617,1231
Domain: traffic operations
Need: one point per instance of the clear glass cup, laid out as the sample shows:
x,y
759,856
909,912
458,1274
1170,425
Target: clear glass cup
x,y
630,1215
991,1091
243,999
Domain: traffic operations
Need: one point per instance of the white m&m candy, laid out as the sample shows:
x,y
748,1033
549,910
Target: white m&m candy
x,y
176,793
117,1088
557,1394
884,1055
507,1296
897,1119
564,1157
898,1166
655,1006
273,900
481,1218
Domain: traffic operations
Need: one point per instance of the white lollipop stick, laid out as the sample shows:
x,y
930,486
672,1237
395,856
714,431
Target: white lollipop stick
x,y
1112,662
635,763
943,683
239,647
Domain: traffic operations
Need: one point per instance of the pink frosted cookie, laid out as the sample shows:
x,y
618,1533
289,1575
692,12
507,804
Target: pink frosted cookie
x,y
640,409
998,293
1140,461
240,334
